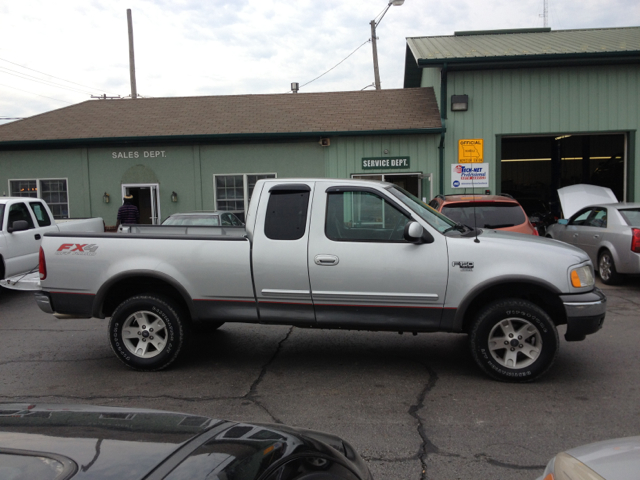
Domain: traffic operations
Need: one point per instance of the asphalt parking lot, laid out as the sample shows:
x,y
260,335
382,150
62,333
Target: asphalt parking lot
x,y
415,407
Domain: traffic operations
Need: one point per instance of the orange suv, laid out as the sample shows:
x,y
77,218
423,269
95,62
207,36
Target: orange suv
x,y
499,212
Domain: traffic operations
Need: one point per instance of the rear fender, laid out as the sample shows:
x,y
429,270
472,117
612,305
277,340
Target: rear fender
x,y
110,294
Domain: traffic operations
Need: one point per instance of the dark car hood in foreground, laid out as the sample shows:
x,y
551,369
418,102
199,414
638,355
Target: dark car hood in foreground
x,y
119,443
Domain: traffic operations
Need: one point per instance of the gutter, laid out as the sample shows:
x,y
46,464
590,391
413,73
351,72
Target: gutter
x,y
62,143
443,119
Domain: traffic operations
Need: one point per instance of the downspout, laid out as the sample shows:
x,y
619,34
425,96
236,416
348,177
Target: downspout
x,y
443,119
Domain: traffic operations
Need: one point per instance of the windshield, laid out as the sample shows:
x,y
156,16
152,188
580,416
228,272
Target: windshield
x,y
1,215
485,215
630,215
428,214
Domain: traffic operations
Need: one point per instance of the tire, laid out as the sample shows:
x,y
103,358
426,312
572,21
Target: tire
x,y
607,269
530,334
147,332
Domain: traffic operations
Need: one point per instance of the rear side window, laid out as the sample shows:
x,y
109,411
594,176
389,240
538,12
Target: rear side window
x,y
41,214
18,211
286,217
485,215
631,216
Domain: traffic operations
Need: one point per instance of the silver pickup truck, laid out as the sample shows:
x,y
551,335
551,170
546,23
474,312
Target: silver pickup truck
x,y
341,254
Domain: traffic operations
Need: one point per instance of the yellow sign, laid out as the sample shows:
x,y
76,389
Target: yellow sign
x,y
471,151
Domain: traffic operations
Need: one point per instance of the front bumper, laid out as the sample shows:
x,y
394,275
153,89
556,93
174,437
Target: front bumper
x,y
585,314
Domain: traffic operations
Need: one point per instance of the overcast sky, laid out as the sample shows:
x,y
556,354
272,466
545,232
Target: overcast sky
x,y
58,53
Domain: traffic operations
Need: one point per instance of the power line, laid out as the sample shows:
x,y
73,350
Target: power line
x,y
38,95
52,76
31,78
336,64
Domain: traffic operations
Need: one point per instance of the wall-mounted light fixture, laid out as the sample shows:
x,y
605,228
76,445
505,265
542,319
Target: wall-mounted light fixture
x,y
325,142
459,103
174,197
106,198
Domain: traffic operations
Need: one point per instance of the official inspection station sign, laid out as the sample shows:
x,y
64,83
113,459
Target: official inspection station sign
x,y
385,163
471,150
470,176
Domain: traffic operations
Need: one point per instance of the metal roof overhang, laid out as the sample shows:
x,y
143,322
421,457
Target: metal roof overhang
x,y
525,61
200,139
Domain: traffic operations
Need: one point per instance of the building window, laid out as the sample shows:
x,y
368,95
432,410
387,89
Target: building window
x,y
52,191
233,192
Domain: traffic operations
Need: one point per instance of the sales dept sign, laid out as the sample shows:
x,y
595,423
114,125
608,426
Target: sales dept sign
x,y
385,163
470,176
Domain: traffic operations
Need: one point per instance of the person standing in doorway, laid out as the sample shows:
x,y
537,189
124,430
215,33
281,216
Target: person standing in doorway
x,y
128,213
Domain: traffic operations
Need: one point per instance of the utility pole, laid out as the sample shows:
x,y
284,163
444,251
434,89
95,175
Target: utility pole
x,y
374,45
132,62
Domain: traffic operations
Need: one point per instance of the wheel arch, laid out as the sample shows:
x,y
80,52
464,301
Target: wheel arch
x,y
614,253
544,295
2,267
115,291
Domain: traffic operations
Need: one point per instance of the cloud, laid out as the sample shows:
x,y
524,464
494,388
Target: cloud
x,y
222,47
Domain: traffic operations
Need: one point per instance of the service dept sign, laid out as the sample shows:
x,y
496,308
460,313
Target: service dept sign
x,y
471,175
385,163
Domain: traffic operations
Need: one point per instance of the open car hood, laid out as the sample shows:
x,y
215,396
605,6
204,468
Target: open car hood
x,y
575,197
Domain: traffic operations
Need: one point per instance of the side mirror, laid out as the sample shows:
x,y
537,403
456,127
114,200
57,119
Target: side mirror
x,y
415,233
18,226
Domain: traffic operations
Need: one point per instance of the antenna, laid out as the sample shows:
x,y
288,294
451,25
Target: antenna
x,y
545,13
475,218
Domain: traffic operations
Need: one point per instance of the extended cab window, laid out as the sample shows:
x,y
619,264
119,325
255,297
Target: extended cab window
x,y
18,211
363,216
286,217
41,214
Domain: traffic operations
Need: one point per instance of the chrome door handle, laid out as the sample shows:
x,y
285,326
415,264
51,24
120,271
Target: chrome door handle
x,y
326,260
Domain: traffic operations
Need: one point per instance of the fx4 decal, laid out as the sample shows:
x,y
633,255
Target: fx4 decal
x,y
88,249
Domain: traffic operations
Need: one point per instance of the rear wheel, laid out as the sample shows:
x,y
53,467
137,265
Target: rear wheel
x,y
514,340
607,269
147,332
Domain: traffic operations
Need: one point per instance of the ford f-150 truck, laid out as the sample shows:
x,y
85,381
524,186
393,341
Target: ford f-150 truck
x,y
23,222
341,254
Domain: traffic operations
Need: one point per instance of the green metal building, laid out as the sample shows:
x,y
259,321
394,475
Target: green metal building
x,y
552,108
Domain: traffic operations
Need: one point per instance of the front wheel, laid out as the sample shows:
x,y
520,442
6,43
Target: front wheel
x,y
607,269
147,332
514,340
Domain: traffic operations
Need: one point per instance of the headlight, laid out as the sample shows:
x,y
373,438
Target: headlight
x,y
566,467
582,277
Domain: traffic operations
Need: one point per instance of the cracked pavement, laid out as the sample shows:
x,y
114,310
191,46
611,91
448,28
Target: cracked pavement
x,y
415,407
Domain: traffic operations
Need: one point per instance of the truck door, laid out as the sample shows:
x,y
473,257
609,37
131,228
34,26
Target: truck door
x,y
280,271
23,246
363,273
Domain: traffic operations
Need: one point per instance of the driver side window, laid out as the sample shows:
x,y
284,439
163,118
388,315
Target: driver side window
x,y
580,218
363,216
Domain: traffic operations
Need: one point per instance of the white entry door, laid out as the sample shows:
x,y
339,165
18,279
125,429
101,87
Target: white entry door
x,y
146,196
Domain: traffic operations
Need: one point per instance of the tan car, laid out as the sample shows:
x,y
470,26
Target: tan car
x,y
497,212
